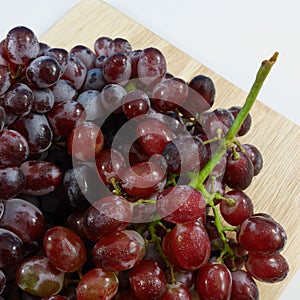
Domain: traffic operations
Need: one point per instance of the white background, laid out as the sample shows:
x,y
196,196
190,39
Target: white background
x,y
230,37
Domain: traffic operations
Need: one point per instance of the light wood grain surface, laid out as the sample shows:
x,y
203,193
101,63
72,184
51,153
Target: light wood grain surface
x,y
276,190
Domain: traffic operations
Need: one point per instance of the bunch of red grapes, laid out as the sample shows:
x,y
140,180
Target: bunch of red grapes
x,y
113,184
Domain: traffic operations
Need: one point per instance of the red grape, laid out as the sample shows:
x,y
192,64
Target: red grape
x,y
75,72
21,45
243,286
86,55
12,182
101,45
11,249
147,280
24,219
239,211
97,284
153,135
107,215
35,128
41,177
176,291
85,142
262,235
187,246
37,276
180,204
64,248
135,103
239,171
119,45
43,72
14,148
151,65
143,179
64,117
5,80
110,164
214,281
19,99
119,251
267,267
117,69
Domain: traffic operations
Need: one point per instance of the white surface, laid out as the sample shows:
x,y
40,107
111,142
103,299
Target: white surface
x,y
230,37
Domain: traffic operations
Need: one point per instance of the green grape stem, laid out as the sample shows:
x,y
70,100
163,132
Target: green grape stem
x,y
197,180
265,68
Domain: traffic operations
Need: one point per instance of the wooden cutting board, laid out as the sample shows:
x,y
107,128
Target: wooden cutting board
x,y
276,190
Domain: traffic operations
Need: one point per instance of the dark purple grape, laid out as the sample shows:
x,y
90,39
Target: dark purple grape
x,y
119,45
117,69
64,117
43,100
185,154
100,62
245,127
169,94
14,148
11,249
61,55
94,80
214,282
42,177
134,56
64,91
86,55
82,185
75,72
35,128
262,235
218,122
21,45
237,212
19,99
255,157
107,215
12,181
267,267
112,97
151,65
238,171
101,45
91,102
43,72
135,103
201,95
24,219
243,286
43,47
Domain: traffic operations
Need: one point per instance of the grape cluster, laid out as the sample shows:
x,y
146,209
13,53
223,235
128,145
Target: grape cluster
x,y
119,181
